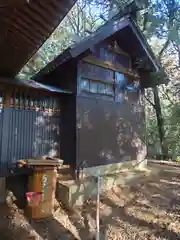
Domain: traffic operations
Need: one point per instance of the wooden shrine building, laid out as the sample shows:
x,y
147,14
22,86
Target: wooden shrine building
x,y
85,107
102,123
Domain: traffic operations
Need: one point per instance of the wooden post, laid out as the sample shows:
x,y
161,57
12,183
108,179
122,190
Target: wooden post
x,y
97,208
7,97
2,189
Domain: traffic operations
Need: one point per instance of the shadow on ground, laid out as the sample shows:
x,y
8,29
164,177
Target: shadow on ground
x,y
148,209
13,225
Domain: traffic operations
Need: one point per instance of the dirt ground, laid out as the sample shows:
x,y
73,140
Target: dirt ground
x,y
148,209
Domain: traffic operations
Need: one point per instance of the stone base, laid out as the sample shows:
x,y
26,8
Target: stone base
x,y
75,192
112,168
2,190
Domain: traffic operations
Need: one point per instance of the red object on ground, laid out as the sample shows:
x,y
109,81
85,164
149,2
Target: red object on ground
x,y
34,198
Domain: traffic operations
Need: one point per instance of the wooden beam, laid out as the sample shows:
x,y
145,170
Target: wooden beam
x,y
17,42
23,31
13,25
29,21
105,64
28,27
12,3
42,16
58,4
23,34
49,9
37,18
41,162
12,64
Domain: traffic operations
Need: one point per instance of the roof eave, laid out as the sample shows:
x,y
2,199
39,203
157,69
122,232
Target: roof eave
x,y
141,38
107,30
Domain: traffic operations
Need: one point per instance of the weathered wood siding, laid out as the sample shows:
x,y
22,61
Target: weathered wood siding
x,y
109,132
110,123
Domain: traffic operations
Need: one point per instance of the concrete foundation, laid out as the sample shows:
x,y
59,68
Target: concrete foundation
x,y
75,192
112,168
2,190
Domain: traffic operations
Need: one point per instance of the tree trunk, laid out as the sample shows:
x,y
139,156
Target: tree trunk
x,y
160,123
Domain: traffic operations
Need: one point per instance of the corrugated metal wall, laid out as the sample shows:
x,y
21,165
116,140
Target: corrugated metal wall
x,y
27,134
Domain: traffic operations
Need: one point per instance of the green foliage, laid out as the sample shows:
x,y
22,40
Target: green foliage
x,y
79,21
161,26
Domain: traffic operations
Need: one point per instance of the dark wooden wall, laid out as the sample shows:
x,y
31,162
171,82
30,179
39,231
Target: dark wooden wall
x,y
65,77
109,129
108,132
68,130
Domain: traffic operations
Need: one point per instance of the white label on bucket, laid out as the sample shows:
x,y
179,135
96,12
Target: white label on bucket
x,y
45,186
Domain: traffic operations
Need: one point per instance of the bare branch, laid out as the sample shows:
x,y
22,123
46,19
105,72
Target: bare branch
x,y
151,103
167,96
164,48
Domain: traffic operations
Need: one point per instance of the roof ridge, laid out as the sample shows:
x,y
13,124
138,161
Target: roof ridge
x,y
70,48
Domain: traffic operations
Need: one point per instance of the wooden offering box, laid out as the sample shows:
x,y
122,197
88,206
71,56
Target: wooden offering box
x,y
41,186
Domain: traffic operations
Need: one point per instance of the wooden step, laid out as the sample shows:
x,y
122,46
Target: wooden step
x,y
40,162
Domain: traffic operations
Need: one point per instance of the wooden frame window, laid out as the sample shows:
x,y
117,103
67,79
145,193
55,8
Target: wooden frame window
x,y
103,82
109,89
95,80
93,86
123,85
96,87
120,80
84,84
102,88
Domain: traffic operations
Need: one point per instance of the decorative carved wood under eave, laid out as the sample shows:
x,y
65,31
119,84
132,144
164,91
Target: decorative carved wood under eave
x,y
115,48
